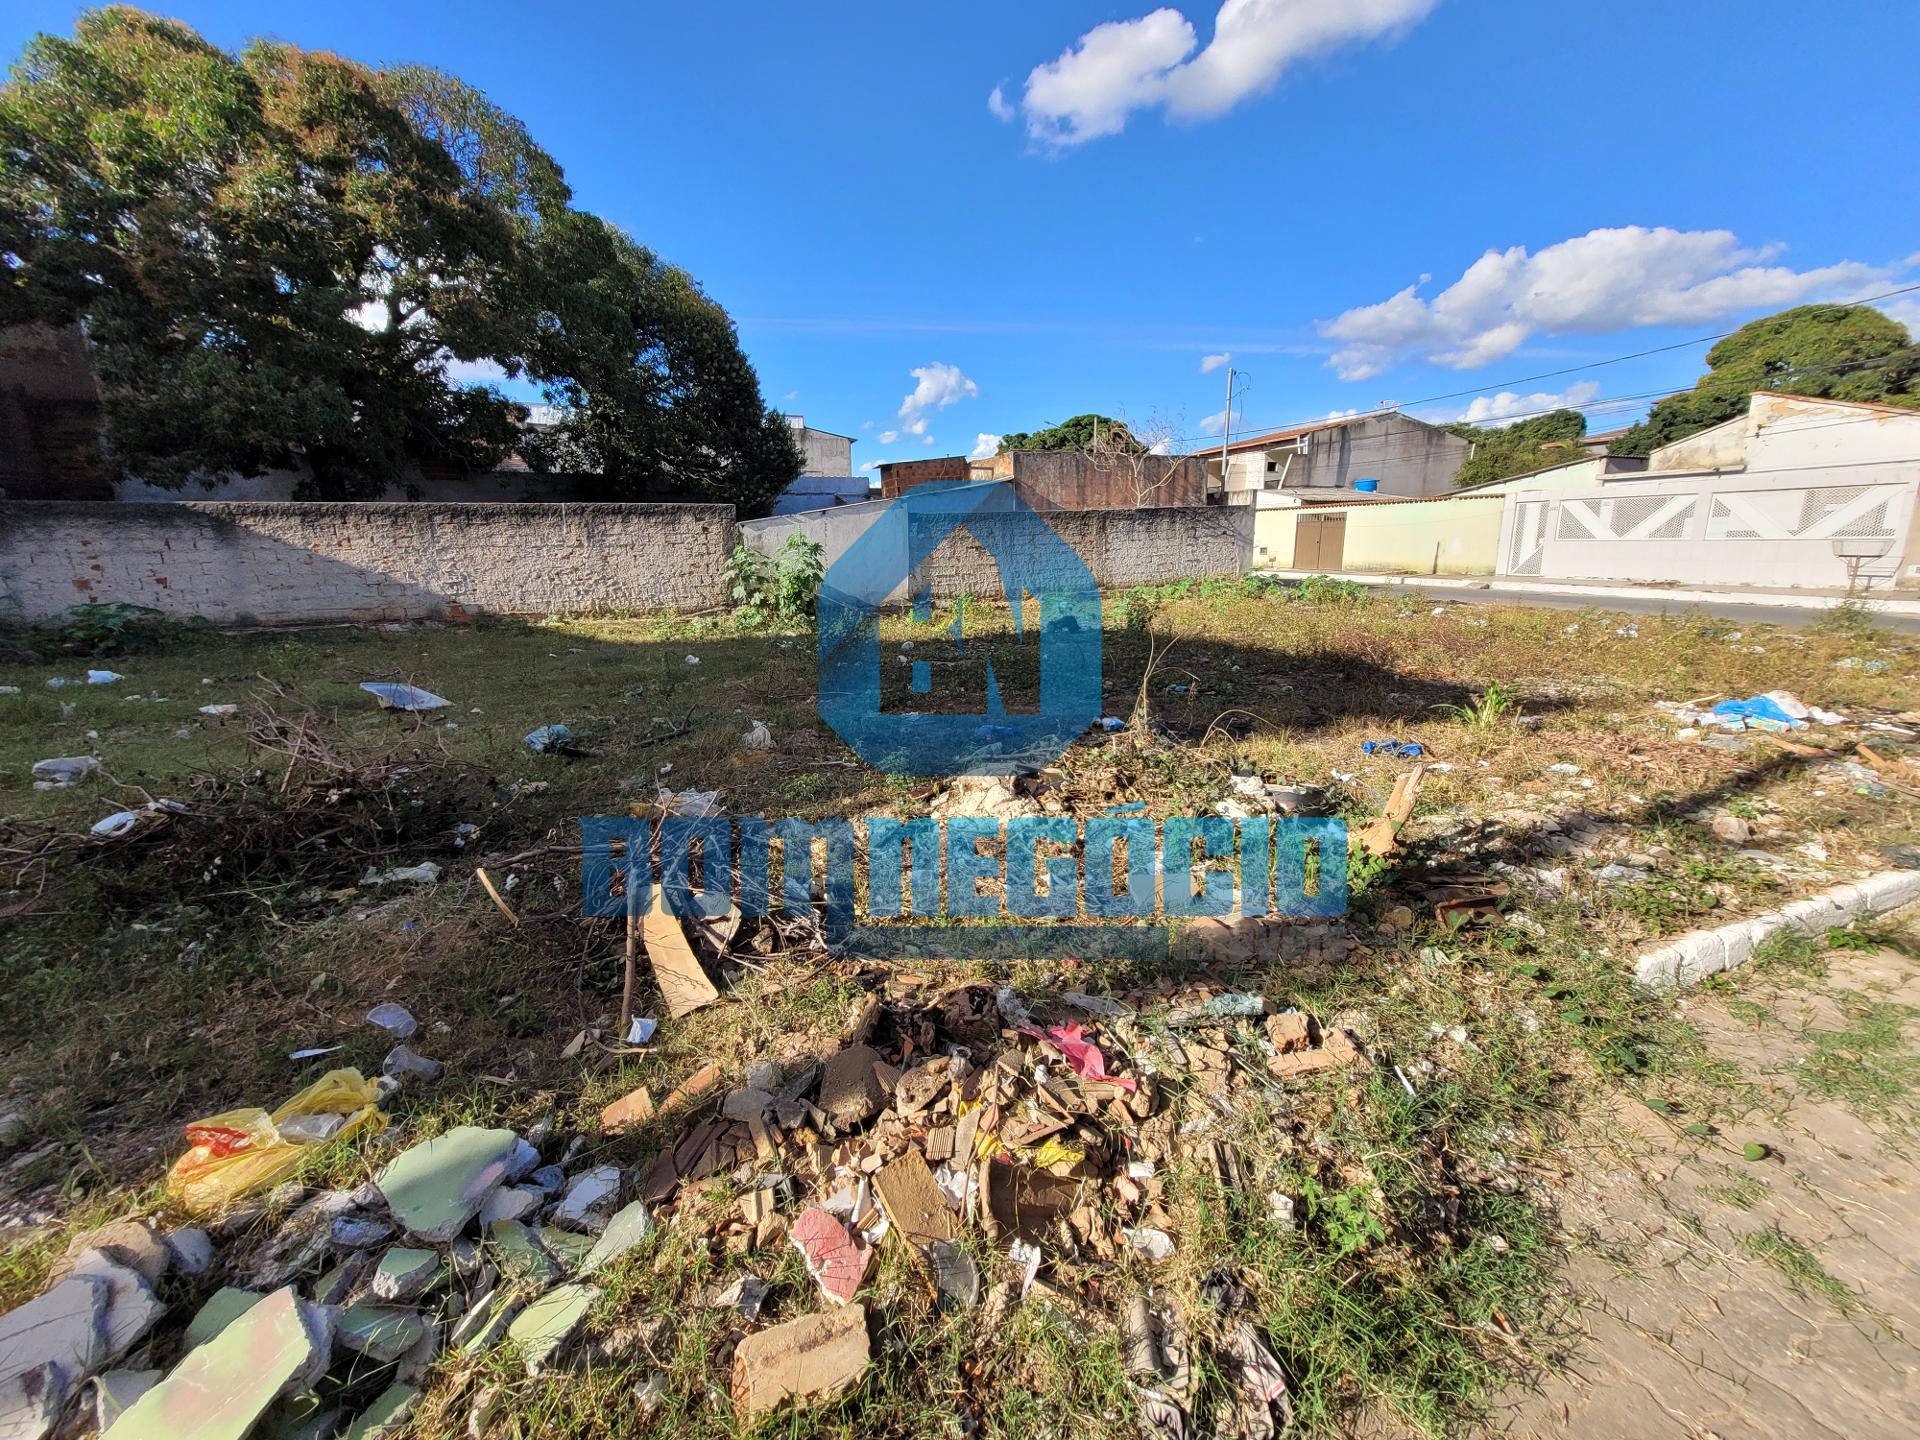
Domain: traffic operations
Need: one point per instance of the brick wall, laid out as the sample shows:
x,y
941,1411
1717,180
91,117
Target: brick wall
x,y
266,563
899,475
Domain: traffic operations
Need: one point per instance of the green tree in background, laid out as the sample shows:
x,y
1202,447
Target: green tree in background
x,y
1079,432
1501,452
284,258
1837,352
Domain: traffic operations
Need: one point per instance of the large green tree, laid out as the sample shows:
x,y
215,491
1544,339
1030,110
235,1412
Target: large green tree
x,y
1838,352
1077,432
280,255
1503,451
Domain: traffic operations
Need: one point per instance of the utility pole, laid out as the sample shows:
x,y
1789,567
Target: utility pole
x,y
1226,429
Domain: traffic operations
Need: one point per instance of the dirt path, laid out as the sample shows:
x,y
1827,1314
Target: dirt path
x,y
1721,1297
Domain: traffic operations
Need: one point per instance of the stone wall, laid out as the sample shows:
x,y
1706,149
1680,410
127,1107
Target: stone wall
x,y
237,562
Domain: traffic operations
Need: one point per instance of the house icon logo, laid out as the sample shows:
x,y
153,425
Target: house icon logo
x,y
894,562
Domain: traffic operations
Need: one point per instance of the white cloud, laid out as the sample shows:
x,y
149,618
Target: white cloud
x,y
1211,363
937,385
1213,424
1507,408
1341,414
928,440
998,106
793,394
985,447
475,372
1904,308
1160,447
871,465
1604,281
1127,65
887,437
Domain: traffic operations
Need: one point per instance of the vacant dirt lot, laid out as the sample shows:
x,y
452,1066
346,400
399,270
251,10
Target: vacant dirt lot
x,y
1444,1175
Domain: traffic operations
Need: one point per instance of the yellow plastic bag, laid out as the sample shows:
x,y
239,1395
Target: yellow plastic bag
x,y
241,1151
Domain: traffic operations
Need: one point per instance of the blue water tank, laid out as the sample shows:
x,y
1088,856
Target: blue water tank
x,y
1366,487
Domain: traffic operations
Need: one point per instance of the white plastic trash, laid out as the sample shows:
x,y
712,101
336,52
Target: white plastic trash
x,y
402,697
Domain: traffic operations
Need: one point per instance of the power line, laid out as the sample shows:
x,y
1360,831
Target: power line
x,y
1568,370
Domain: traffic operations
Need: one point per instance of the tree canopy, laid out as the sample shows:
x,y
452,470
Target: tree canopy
x,y
1078,432
1837,352
283,257
1503,451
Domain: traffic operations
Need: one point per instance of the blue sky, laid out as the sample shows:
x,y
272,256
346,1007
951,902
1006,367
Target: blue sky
x,y
1050,208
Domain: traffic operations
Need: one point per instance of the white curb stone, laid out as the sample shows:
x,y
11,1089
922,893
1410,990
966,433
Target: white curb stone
x,y
1700,953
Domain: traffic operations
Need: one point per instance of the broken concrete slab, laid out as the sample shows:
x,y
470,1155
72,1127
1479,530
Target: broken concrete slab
x,y
850,1094
31,1401
834,1258
628,1228
510,1202
386,1415
49,1345
222,1387
192,1250
586,1199
436,1187
107,1397
221,1309
569,1248
486,1321
132,1243
382,1333
404,1272
132,1307
809,1359
547,1324
360,1232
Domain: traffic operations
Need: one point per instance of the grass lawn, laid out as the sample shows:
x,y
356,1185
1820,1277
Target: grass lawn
x,y
148,981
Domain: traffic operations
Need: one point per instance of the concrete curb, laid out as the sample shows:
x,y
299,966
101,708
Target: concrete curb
x,y
1700,953
1498,584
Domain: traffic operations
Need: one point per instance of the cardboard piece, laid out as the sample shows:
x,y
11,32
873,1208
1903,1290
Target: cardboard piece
x,y
683,982
913,1201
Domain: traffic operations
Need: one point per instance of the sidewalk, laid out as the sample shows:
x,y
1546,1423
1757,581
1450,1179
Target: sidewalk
x,y
1883,601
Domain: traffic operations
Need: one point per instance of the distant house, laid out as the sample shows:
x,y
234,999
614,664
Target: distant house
x,y
826,472
1380,453
1065,479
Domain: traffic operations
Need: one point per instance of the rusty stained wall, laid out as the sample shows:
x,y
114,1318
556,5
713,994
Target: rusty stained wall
x,y
1069,480
902,475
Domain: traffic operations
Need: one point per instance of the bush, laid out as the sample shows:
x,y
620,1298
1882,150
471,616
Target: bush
x,y
782,588
103,631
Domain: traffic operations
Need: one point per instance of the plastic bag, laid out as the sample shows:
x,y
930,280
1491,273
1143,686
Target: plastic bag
x,y
240,1151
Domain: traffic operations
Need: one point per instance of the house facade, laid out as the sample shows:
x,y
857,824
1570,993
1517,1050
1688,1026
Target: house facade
x,y
1397,453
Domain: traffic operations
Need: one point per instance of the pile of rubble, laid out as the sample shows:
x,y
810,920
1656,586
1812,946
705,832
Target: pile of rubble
x,y
961,1129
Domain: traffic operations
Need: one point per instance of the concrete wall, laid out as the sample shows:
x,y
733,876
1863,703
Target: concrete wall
x,y
820,492
1120,547
244,563
1789,479
825,452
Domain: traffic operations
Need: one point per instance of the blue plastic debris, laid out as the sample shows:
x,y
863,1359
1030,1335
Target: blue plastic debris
x,y
1762,712
402,697
1410,749
549,737
1112,723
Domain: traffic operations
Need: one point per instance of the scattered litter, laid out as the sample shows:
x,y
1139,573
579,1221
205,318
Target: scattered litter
x,y
1766,712
314,1052
58,773
1150,1244
1112,723
402,697
104,677
640,1030
836,1260
758,737
809,1359
548,738
693,659
394,1019
219,710
1563,767
235,1153
1408,749
121,822
427,872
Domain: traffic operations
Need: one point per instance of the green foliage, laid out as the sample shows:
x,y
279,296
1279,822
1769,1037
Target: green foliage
x,y
1838,352
1485,710
782,588
1325,590
107,630
280,254
1521,448
1079,432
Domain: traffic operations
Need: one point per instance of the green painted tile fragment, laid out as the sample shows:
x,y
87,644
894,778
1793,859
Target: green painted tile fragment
x,y
545,1325
627,1229
386,1415
404,1272
486,1322
434,1188
520,1255
568,1246
223,1307
379,1332
222,1387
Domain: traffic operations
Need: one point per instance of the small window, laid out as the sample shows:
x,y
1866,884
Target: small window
x,y
1272,465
